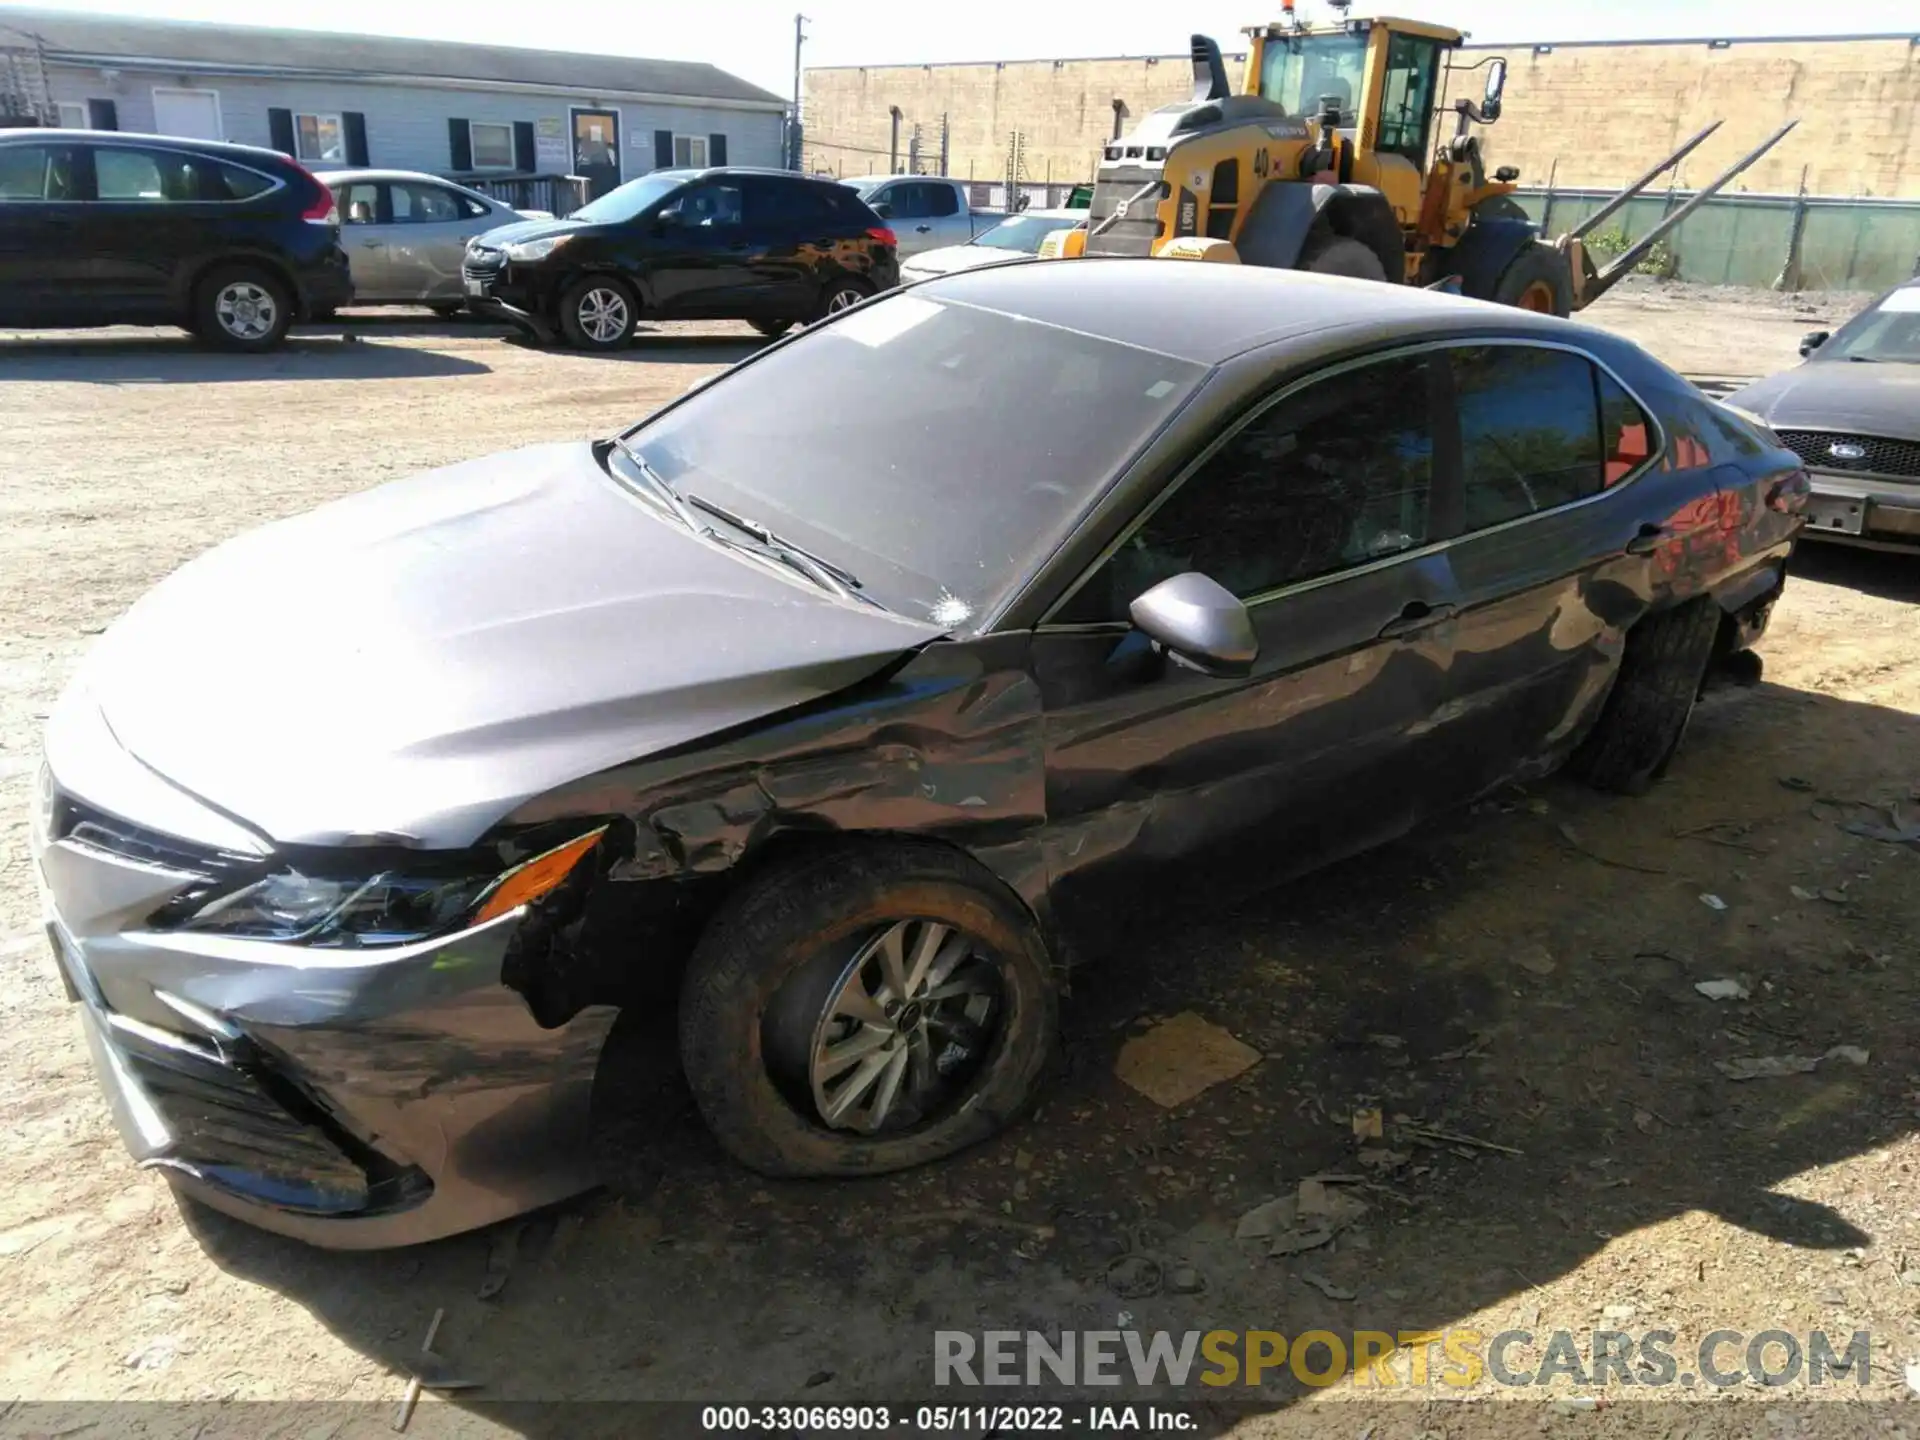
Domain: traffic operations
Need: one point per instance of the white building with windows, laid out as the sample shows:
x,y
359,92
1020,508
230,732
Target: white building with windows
x,y
474,112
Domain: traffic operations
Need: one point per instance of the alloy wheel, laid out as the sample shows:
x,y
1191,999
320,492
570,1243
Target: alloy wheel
x,y
603,315
843,300
905,1027
246,311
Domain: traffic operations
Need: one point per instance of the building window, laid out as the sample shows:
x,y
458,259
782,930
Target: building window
x,y
690,152
492,145
319,137
73,116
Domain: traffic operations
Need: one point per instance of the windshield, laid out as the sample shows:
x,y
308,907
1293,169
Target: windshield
x,y
1297,71
1889,332
1023,233
622,204
934,450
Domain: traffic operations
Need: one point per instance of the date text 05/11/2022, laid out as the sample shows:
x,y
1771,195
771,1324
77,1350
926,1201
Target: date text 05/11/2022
x,y
994,1419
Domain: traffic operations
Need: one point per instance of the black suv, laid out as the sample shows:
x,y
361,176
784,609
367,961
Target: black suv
x,y
766,246
100,228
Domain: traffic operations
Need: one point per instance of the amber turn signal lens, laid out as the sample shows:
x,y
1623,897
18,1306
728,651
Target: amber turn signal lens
x,y
527,882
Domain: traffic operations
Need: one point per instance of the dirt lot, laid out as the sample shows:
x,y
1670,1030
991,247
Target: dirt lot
x,y
1523,975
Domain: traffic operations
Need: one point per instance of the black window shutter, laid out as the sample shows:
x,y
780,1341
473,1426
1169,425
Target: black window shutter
x,y
523,145
459,145
355,125
280,130
663,149
103,115
716,149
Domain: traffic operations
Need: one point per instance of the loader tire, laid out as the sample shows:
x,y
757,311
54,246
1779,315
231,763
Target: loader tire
x,y
1341,255
1538,279
1645,715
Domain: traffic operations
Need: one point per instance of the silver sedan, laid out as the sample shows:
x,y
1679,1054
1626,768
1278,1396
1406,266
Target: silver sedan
x,y
405,233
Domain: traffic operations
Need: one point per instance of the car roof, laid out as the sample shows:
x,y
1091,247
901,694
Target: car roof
x,y
358,174
1210,313
34,134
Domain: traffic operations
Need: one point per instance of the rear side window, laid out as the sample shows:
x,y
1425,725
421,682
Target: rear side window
x,y
36,172
940,201
1626,434
422,204
1529,431
772,202
151,176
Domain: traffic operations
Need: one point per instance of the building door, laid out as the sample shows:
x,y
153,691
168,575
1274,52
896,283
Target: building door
x,y
191,114
596,150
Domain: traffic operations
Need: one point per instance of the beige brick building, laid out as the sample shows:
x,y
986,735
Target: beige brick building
x,y
1588,114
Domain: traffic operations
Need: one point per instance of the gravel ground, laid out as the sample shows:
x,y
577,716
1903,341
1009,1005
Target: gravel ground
x,y
1522,975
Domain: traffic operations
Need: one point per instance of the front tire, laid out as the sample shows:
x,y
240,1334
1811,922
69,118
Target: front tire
x,y
772,329
863,1009
1342,255
242,308
1645,716
1537,279
598,313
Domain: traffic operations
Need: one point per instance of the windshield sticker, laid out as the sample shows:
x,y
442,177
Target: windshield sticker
x,y
1902,302
875,325
950,610
1159,389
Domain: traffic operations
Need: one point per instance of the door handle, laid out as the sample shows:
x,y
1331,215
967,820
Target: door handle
x,y
923,229
1650,539
1417,616
369,244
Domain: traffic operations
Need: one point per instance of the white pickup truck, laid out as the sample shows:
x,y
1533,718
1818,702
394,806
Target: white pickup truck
x,y
926,212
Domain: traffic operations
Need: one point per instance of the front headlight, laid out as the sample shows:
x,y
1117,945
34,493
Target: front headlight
x,y
526,252
390,908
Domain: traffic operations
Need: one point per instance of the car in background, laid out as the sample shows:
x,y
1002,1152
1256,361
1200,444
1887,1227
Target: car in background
x,y
406,234
839,742
927,212
1017,237
1851,411
108,228
767,246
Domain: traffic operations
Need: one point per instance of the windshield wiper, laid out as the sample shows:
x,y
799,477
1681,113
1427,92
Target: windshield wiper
x,y
659,487
824,573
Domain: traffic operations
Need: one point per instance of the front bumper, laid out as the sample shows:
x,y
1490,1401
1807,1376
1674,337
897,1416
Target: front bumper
x,y
508,294
1878,514
352,1099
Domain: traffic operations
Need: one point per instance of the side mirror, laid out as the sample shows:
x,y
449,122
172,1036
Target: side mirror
x,y
1200,623
883,210
1813,340
1496,83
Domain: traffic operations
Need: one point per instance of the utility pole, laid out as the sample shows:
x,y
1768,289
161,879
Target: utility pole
x,y
796,154
944,136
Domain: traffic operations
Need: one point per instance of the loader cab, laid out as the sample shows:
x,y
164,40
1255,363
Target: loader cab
x,y
1385,77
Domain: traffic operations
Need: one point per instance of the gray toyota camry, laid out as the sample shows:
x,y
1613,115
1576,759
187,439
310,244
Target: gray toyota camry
x,y
843,704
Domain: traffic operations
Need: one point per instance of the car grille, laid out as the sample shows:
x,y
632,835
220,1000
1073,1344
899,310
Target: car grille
x,y
1135,235
1900,458
483,263
82,824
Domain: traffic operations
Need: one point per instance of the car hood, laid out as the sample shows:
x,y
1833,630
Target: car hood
x,y
1879,399
952,259
521,230
418,660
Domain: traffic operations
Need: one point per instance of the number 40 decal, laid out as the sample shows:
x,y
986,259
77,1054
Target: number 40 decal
x,y
1262,162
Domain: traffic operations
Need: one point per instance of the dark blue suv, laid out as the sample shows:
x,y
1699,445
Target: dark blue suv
x,y
103,228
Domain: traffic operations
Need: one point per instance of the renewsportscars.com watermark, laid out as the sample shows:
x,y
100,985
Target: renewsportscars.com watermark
x,y
1456,1358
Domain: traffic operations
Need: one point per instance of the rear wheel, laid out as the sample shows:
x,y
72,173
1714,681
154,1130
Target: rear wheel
x,y
1538,279
1645,715
242,307
1341,255
597,313
864,1009
772,329
840,295
448,309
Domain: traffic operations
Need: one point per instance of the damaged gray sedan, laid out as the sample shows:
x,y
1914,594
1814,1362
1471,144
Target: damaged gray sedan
x,y
845,740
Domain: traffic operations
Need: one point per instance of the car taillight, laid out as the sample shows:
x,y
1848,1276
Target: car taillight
x,y
882,234
321,209
1789,496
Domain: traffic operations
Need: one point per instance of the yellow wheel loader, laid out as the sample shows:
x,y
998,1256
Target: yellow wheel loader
x,y
1326,161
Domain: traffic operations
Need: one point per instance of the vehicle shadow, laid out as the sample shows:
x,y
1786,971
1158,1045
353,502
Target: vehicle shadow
x,y
144,358
1889,574
1517,980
